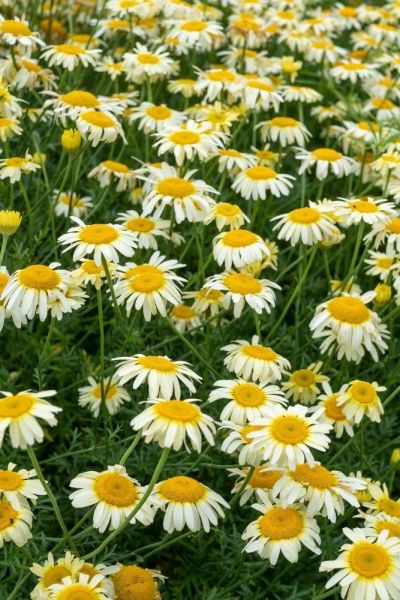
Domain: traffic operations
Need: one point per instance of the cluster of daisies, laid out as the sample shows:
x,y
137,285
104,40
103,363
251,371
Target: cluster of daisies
x,y
148,146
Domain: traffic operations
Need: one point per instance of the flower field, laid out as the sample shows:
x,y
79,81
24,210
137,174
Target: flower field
x,y
199,300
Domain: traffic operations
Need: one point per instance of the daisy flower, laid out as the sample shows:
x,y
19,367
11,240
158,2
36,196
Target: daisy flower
x,y
254,183
131,580
260,484
285,130
288,434
111,170
252,360
15,32
353,211
18,487
383,108
98,126
187,502
172,423
73,103
238,440
368,567
326,160
348,324
309,224
154,117
52,572
247,400
238,248
163,375
302,385
323,491
186,87
188,141
242,289
89,272
84,587
19,413
70,56
332,413
261,94
101,240
149,286
232,160
281,529
15,523
115,495
195,33
353,71
388,232
380,502
114,395
226,214
206,299
184,317
14,167
296,93
382,522
360,398
8,128
147,229
382,264
143,63
70,203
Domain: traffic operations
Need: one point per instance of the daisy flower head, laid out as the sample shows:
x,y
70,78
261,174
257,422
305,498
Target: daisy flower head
x,y
368,567
163,375
89,273
353,71
114,395
70,56
115,495
84,586
383,108
103,241
260,484
146,228
188,141
188,502
386,232
190,199
206,299
186,87
365,209
326,160
309,225
381,502
238,441
241,289
54,571
239,248
360,398
10,220
281,529
111,170
185,318
285,130
252,360
132,581
324,491
20,414
302,384
8,128
332,413
15,523
70,202
247,400
195,33
349,326
14,167
381,522
19,487
74,102
143,63
174,423
255,182
232,161
304,94
288,433
16,32
149,286
154,117
261,94
226,214
99,126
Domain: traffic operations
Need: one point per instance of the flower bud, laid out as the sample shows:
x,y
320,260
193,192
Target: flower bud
x,y
395,458
10,220
383,294
71,140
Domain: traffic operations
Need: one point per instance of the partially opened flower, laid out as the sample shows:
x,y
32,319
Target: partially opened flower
x,y
226,214
189,503
252,360
360,398
115,495
19,487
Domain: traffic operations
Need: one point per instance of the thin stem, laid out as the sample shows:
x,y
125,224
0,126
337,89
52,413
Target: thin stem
x,y
3,248
131,448
240,491
111,288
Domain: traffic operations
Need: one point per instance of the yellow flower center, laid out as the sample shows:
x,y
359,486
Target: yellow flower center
x,y
69,49
182,489
304,378
363,392
392,528
364,206
80,98
7,514
260,85
348,309
159,113
185,138
3,281
97,119
322,45
39,277
318,476
230,152
157,363
98,234
10,481
15,28
248,395
134,583
283,122
281,524
369,560
113,165
348,11
31,66
109,391
264,479
260,173
289,429
326,154
115,489
90,267
55,575
224,209
353,66
140,225
15,162
390,507
304,216
148,59
240,238
88,569
78,591
382,103
73,200
385,262
193,26
249,429
260,352
176,187
118,24
146,279
394,226
183,312
332,410
177,410
4,123
242,283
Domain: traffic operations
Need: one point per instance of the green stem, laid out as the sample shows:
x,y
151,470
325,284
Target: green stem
x,y
131,448
111,288
3,248
240,491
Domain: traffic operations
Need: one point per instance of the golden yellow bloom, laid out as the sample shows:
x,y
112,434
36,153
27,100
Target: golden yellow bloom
x,y
395,457
71,140
10,220
383,294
